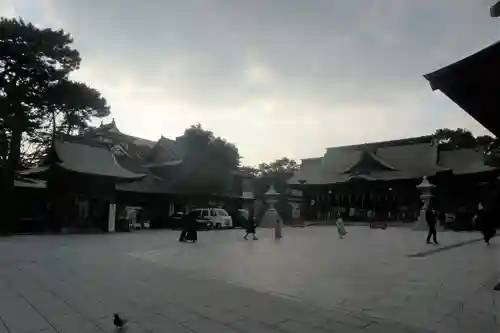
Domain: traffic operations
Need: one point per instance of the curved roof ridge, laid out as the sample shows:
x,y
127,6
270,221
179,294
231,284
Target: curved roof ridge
x,y
162,164
366,161
387,143
93,160
109,126
311,159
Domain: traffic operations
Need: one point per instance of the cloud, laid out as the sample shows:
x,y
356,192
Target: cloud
x,y
7,8
258,75
282,77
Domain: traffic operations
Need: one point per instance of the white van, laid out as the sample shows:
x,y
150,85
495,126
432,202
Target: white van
x,y
219,217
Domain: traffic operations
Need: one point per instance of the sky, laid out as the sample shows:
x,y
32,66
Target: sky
x,y
275,77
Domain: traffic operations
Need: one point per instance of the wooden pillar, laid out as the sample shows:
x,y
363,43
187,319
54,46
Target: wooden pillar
x,y
111,217
171,209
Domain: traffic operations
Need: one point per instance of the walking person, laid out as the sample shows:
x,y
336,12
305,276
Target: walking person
x,y
430,217
484,223
340,226
250,228
189,227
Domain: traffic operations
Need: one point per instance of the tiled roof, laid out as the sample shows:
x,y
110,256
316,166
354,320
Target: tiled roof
x,y
367,163
149,184
141,147
136,147
403,159
411,161
132,164
158,160
90,159
30,183
464,161
390,143
137,154
165,152
311,170
172,147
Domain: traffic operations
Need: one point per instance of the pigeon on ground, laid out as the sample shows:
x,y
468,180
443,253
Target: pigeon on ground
x,y
119,322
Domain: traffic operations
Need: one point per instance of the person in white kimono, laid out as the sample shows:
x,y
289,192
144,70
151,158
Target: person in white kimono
x,y
340,226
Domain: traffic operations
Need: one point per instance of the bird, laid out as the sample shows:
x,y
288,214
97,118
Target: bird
x,y
119,322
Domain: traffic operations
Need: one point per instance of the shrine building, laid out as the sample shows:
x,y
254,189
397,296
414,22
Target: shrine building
x,y
379,180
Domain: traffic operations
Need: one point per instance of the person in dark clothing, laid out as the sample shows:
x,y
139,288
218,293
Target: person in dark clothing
x,y
189,227
484,223
250,228
430,217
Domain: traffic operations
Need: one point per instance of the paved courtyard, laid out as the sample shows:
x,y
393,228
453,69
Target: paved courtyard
x,y
310,281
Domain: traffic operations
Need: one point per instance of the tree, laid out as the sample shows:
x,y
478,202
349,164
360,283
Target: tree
x,y
276,173
484,140
70,106
209,162
31,61
37,98
460,138
35,91
249,171
492,154
453,139
282,165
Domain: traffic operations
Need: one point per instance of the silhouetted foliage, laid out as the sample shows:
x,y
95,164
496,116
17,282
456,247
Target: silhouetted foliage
x,y
71,106
452,139
275,173
209,162
36,96
460,138
484,140
250,171
492,154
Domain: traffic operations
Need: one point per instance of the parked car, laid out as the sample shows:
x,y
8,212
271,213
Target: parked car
x,y
176,221
138,225
203,223
218,216
137,218
135,225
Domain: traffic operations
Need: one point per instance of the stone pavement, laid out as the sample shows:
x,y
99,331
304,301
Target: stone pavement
x,y
310,281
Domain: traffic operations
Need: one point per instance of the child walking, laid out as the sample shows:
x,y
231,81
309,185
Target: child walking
x,y
340,226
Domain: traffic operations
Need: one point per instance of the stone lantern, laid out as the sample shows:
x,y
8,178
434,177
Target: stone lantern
x,y
271,215
425,188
